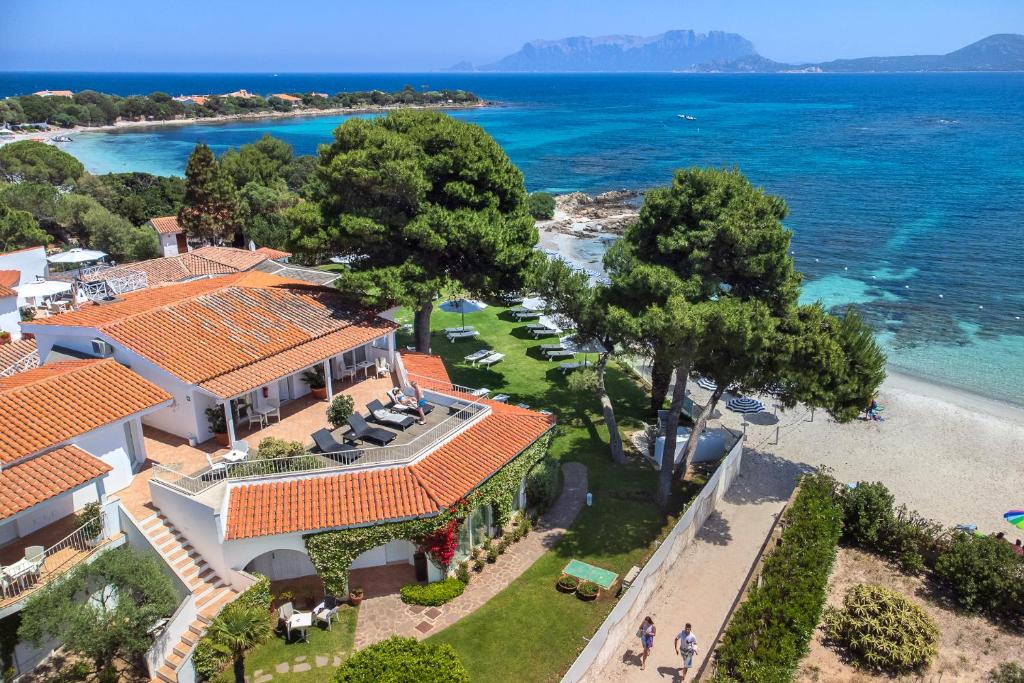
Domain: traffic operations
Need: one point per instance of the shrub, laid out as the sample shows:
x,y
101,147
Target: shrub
x,y
569,583
272,448
1007,672
340,410
914,540
883,630
462,572
868,515
543,483
90,520
432,594
587,588
542,206
478,564
216,421
770,632
315,377
492,555
486,545
503,545
206,660
984,573
403,659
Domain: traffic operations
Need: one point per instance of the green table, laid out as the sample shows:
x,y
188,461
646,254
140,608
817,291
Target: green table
x,y
588,572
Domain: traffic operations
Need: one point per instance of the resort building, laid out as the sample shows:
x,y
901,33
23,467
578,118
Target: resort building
x,y
198,100
170,233
54,93
244,94
290,99
187,379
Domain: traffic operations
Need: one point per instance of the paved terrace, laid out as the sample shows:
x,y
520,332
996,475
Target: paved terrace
x,y
299,419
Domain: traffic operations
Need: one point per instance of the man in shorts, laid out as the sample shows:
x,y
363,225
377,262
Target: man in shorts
x,y
686,647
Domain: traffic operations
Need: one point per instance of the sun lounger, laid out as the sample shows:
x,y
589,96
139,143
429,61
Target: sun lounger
x,y
389,417
342,452
480,393
501,398
544,332
453,330
537,326
468,334
491,359
569,367
477,355
361,431
563,353
524,314
546,348
393,394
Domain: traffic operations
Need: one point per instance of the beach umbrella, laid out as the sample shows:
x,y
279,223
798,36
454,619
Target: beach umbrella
x,y
1015,517
33,290
586,347
706,383
463,306
77,256
534,303
554,322
745,405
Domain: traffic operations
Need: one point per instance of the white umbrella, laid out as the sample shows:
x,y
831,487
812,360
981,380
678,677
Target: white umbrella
x,y
586,347
745,405
463,306
554,322
33,290
77,256
534,303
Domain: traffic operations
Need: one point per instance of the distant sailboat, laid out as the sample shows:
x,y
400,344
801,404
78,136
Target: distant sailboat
x,y
687,117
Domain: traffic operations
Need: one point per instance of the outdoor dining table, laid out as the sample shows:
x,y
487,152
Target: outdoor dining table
x,y
16,572
365,367
300,621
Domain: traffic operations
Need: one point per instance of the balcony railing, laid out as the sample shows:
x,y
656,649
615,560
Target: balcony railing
x,y
465,411
22,577
27,362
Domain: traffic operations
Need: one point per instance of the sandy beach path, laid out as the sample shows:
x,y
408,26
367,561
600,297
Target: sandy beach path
x,y
709,573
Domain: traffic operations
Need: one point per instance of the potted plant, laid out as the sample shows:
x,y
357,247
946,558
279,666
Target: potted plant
x,y
314,377
355,596
587,590
5,337
340,410
90,521
567,584
218,424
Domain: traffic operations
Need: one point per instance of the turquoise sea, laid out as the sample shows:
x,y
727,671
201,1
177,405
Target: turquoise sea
x,y
906,191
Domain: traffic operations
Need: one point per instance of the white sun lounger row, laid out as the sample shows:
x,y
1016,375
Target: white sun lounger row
x,y
484,357
465,334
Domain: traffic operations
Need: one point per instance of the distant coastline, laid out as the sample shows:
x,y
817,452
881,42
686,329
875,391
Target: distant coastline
x,y
55,131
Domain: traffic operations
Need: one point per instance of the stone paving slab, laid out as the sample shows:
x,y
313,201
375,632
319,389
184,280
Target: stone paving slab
x,y
384,616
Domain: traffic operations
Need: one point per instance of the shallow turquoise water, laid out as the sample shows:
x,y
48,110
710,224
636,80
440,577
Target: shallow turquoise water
x,y
906,191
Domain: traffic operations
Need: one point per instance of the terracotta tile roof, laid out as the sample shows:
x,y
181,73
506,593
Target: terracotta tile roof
x,y
239,259
45,406
432,484
6,292
15,351
323,502
10,278
427,365
166,225
273,254
34,481
286,97
232,333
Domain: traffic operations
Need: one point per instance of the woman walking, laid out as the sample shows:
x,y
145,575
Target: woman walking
x,y
646,633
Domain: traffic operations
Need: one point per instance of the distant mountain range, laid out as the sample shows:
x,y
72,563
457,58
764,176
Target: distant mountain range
x,y
720,52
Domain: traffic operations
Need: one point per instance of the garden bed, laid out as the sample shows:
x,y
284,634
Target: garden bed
x,y
970,645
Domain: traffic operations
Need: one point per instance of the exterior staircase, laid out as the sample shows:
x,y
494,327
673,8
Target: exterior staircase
x,y
210,592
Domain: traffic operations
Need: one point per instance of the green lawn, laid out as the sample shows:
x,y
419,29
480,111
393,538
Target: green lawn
x,y
321,642
531,632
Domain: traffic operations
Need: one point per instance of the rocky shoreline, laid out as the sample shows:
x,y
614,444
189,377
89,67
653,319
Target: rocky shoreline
x,y
581,215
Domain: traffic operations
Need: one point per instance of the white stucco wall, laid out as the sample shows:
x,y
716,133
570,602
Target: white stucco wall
x,y
110,444
168,244
282,564
395,552
197,522
10,319
30,262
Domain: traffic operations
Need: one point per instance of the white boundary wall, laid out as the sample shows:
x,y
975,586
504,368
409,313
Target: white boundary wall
x,y
621,623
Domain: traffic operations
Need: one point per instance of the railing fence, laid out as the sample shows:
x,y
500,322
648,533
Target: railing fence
x,y
55,560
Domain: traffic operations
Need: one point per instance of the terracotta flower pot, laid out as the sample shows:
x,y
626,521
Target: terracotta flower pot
x,y
354,599
5,340
222,438
320,393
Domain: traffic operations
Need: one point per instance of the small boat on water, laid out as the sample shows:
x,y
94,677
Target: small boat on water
x,y
61,138
687,117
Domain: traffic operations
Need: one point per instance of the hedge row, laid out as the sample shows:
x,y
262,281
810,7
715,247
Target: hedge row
x,y
770,632
432,594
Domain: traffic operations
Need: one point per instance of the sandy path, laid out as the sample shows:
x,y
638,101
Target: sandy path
x,y
710,572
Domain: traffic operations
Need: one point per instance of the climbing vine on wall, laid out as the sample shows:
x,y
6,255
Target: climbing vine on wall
x,y
332,552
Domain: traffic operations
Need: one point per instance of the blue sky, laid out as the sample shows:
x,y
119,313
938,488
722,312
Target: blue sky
x,y
406,35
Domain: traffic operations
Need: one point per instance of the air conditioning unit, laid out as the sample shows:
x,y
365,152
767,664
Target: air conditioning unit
x,y
102,349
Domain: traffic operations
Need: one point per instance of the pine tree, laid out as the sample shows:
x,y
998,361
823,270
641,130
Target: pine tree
x,y
210,209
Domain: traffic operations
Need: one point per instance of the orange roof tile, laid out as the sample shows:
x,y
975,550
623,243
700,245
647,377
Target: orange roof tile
x,y
166,225
239,259
6,292
10,278
45,406
429,366
230,334
425,488
34,481
273,254
15,351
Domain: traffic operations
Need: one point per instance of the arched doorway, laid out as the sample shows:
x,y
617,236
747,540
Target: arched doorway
x,y
385,569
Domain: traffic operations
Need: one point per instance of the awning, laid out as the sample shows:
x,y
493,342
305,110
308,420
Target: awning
x,y
77,256
32,290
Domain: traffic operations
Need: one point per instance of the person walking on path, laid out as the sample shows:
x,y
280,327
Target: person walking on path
x,y
646,633
686,647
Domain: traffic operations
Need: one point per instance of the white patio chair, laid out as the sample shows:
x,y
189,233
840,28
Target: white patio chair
x,y
325,615
383,368
271,408
35,555
239,452
215,467
347,372
254,417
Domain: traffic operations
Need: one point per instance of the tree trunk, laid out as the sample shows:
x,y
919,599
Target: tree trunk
x,y
239,669
421,326
608,411
661,377
668,455
698,429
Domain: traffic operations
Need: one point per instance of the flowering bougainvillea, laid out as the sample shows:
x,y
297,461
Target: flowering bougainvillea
x,y
441,545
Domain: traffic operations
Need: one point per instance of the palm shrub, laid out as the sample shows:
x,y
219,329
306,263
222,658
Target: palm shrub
x,y
236,630
1007,672
883,630
340,410
403,659
984,573
769,633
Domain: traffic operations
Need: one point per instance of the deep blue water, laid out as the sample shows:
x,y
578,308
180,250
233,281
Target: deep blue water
x,y
906,191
